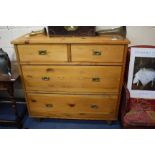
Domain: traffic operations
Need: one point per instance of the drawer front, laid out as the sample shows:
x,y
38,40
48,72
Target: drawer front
x,y
42,53
47,104
72,78
97,53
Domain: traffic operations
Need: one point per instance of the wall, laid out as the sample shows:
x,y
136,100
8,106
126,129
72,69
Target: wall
x,y
8,33
136,34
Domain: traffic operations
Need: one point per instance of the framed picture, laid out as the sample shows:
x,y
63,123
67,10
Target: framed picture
x,y
141,75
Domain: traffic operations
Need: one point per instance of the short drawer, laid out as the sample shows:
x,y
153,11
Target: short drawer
x,y
72,78
42,53
97,53
49,104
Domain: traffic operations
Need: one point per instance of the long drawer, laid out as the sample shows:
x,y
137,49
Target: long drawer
x,y
97,53
72,78
42,53
79,105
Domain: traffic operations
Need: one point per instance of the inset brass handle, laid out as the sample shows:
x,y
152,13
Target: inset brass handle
x,y
96,79
49,69
42,52
46,78
49,105
71,105
97,53
94,106
33,100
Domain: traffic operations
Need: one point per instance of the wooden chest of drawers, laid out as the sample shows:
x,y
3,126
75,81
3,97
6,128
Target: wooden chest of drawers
x,y
72,77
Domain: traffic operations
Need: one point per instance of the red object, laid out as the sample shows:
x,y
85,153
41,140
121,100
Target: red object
x,y
136,113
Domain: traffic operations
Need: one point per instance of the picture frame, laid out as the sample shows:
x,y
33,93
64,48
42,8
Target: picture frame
x,y
141,74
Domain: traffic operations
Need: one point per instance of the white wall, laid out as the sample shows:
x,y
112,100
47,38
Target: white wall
x,y
9,33
138,35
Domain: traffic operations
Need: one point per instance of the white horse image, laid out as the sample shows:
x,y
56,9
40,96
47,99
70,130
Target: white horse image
x,y
144,75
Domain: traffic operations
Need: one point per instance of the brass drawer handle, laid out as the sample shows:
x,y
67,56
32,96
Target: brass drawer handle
x,y
49,69
71,105
97,53
96,79
94,106
42,52
45,78
49,105
33,100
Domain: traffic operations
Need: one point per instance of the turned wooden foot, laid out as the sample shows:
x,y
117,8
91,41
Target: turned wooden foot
x,y
19,125
39,119
109,122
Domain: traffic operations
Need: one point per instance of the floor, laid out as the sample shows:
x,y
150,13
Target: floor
x,y
32,123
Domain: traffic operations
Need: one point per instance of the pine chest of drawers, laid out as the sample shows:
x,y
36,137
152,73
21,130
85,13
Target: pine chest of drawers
x,y
72,77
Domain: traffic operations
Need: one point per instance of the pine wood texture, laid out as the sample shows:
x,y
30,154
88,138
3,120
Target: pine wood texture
x,y
46,104
42,39
97,53
42,53
72,77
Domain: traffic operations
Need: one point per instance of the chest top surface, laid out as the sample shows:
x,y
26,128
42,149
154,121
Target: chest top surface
x,y
42,39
